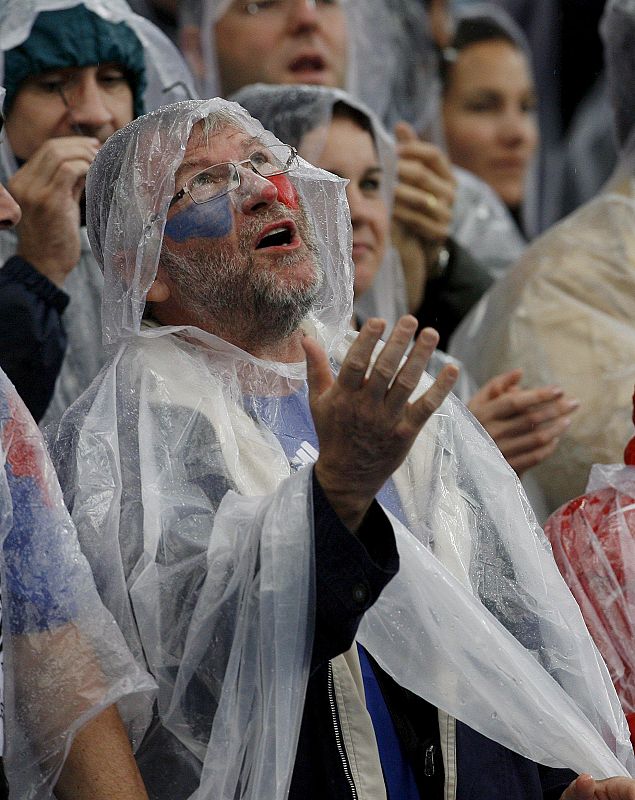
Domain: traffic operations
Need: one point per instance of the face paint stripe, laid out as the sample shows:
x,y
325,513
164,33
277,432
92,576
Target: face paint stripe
x,y
211,220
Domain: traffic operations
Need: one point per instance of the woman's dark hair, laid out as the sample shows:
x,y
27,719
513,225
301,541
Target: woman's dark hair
x,y
472,30
342,109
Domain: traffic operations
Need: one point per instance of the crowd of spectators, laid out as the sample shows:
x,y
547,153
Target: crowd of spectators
x,y
322,307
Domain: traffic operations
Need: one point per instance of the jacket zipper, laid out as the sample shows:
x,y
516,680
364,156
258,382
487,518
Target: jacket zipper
x,y
338,734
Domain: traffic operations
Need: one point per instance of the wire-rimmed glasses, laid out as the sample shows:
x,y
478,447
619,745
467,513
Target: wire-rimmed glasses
x,y
220,179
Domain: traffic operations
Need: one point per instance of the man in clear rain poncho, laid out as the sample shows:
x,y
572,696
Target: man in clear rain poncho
x,y
230,521
74,73
566,311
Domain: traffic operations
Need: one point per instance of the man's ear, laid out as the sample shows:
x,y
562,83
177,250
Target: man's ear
x,y
189,39
159,292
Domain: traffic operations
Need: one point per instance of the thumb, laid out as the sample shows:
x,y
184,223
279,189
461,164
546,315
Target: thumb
x,y
319,375
502,383
582,788
404,132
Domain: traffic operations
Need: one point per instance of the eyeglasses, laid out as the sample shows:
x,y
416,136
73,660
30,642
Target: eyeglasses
x,y
220,179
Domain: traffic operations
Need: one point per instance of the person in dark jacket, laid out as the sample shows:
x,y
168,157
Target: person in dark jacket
x,y
32,337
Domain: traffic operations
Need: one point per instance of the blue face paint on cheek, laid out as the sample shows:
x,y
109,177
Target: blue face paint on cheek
x,y
205,221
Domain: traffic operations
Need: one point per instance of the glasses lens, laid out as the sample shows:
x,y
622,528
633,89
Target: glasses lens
x,y
213,182
273,160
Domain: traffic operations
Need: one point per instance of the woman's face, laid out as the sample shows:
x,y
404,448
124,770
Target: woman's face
x,y
489,116
349,151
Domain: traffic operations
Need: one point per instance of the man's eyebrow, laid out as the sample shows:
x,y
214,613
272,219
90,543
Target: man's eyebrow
x,y
201,163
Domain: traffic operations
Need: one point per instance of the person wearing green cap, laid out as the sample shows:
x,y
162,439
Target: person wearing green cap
x,y
73,76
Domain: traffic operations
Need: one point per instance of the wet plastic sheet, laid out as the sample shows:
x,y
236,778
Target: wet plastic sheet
x,y
593,540
65,660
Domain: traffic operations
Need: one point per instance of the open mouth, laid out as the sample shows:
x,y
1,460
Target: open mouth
x,y
277,235
308,63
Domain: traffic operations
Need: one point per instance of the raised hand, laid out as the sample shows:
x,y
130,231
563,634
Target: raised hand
x,y
426,189
586,788
366,424
526,424
48,188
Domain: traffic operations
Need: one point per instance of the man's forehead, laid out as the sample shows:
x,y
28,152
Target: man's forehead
x,y
204,148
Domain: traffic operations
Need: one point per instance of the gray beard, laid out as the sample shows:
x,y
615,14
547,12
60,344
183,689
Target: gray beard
x,y
226,294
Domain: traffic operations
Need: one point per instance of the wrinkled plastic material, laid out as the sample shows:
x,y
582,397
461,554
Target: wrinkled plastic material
x,y
565,313
483,225
593,540
65,659
168,80
215,586
292,112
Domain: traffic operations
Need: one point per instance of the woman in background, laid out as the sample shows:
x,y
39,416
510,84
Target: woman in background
x,y
489,105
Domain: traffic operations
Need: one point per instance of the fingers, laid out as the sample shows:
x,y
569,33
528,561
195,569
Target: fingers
x,y
429,202
319,375
421,411
408,377
582,788
533,405
429,156
537,440
44,163
404,132
389,359
421,225
502,383
354,367
418,175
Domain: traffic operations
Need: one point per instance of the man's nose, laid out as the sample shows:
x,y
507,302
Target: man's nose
x,y
255,193
87,104
10,213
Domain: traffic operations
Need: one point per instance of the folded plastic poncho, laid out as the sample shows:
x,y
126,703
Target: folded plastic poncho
x,y
63,657
165,78
593,540
198,522
565,312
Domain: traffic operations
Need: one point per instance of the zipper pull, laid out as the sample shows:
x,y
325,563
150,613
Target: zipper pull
x,y
428,762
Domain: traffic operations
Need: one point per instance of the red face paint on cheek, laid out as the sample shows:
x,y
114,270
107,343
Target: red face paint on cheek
x,y
287,193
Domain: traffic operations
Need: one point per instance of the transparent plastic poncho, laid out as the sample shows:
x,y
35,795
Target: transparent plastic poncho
x,y
565,312
593,540
65,659
168,80
199,528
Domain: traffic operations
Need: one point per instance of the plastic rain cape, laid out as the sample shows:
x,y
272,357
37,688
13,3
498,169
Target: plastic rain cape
x,y
213,588
593,539
565,312
168,80
65,660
